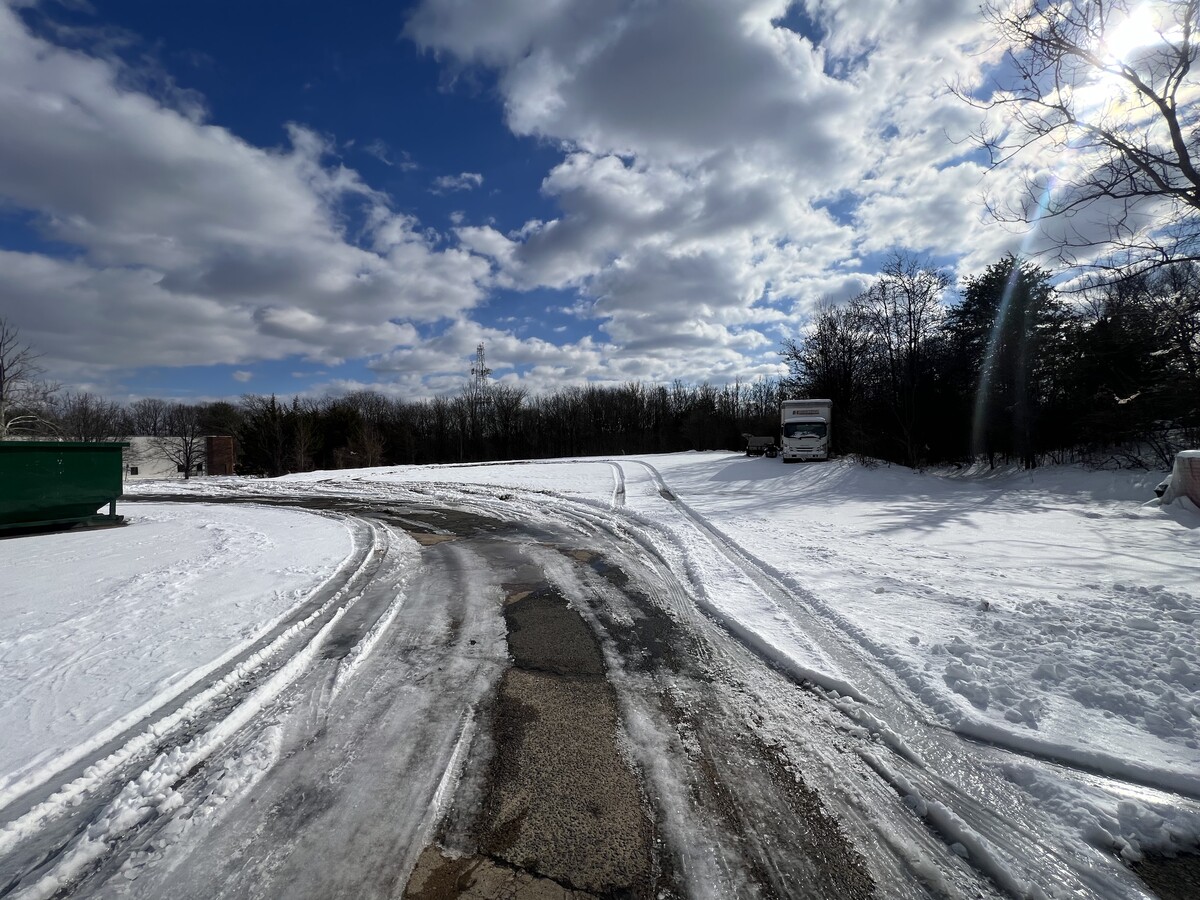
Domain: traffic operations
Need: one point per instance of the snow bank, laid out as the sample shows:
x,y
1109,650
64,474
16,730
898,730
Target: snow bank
x,y
594,479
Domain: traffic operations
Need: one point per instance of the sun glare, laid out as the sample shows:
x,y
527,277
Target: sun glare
x,y
1142,28
1105,93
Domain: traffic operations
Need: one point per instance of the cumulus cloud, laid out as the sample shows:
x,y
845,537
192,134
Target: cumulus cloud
x,y
441,363
725,165
708,143
195,246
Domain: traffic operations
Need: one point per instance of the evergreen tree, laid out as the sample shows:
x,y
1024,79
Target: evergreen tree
x,y
1006,339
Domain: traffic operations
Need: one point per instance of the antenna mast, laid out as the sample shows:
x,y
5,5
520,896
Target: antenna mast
x,y
480,371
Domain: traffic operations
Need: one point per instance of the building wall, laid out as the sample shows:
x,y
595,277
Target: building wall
x,y
144,461
219,454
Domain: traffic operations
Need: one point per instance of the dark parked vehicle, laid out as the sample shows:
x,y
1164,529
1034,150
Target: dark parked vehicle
x,y
761,446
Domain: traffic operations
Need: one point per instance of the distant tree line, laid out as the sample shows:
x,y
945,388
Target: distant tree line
x,y
1008,369
490,421
486,421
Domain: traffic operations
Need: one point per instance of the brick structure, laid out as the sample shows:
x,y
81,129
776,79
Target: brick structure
x,y
218,454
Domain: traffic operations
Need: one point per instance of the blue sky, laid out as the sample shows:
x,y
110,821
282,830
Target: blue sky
x,y
210,199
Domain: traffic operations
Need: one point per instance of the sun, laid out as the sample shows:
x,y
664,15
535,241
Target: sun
x,y
1141,28
1107,91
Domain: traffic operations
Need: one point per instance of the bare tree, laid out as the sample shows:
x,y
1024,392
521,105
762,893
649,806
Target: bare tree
x,y
507,401
86,417
1107,87
303,418
182,440
830,360
24,396
903,312
366,446
1175,300
148,416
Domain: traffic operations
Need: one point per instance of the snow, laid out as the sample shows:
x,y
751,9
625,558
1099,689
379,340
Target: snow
x,y
1183,488
98,629
1042,624
1047,608
1050,612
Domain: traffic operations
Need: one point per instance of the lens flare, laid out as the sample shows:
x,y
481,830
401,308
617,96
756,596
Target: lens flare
x,y
983,392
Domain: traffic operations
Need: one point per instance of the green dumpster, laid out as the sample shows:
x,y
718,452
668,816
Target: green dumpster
x,y
58,483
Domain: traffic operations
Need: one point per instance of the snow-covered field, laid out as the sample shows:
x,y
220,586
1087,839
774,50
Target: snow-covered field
x,y
1052,613
100,628
1049,609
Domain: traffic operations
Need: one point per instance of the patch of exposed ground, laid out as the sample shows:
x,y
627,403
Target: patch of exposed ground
x,y
563,816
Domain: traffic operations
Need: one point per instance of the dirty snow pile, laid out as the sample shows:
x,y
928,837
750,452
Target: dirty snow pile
x,y
100,628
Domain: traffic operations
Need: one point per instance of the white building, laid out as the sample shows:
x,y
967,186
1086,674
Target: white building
x,y
149,458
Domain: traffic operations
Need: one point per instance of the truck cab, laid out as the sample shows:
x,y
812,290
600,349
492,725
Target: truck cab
x,y
805,429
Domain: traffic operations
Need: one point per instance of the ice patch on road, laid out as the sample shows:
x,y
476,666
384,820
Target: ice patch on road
x,y
963,840
238,776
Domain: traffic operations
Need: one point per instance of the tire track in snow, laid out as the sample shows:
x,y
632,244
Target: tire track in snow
x,y
906,857
777,583
216,705
618,498
355,790
593,519
1001,842
113,736
1004,840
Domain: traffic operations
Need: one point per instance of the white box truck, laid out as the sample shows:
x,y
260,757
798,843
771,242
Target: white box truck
x,y
805,427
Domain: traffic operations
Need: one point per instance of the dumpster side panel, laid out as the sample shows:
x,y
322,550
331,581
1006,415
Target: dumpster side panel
x,y
50,481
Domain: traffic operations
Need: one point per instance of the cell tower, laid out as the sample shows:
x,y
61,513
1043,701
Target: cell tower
x,y
480,371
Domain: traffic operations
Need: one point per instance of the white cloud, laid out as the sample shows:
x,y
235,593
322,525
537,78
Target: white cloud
x,y
242,375
465,181
707,145
196,247
720,174
379,149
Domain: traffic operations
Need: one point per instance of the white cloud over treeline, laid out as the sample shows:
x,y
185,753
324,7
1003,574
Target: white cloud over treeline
x,y
723,171
720,172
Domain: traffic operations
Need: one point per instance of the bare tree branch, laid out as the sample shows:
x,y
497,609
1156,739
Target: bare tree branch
x,y
24,396
182,438
1106,88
